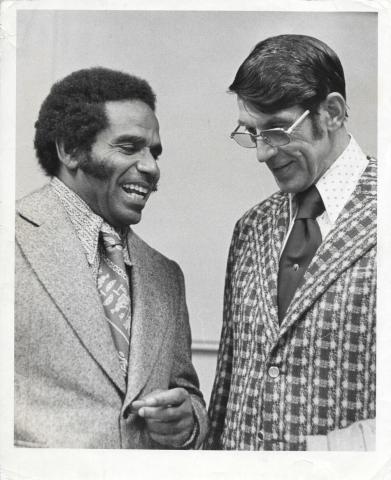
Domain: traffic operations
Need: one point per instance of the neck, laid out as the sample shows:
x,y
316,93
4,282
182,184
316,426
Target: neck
x,y
67,178
340,141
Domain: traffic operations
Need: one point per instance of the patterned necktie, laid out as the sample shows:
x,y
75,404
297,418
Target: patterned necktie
x,y
300,248
113,287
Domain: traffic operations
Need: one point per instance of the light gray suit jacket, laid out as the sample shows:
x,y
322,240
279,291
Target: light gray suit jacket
x,y
68,388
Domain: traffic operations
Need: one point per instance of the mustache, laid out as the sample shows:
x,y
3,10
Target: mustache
x,y
149,181
152,181
101,171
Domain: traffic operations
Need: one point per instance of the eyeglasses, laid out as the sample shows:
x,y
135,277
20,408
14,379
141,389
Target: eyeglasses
x,y
275,137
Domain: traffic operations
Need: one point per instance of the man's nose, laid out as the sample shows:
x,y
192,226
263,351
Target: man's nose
x,y
147,163
264,150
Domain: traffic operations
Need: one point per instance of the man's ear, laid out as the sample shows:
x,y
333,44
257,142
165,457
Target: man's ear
x,y
335,107
68,159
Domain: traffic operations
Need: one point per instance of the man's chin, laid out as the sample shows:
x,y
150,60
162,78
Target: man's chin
x,y
125,219
131,220
291,187
285,188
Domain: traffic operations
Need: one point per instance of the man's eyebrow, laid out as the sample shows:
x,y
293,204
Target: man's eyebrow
x,y
270,122
140,142
241,123
277,120
122,139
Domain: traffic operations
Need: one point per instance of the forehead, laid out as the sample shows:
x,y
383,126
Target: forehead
x,y
131,117
254,118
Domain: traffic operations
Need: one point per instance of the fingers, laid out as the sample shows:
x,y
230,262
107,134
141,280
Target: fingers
x,y
155,402
166,398
168,428
161,414
137,404
168,415
173,441
170,433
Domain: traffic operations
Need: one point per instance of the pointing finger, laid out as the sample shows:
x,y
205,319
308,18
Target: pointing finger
x,y
167,398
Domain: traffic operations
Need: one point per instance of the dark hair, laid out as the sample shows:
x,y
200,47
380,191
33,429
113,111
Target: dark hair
x,y
74,112
289,70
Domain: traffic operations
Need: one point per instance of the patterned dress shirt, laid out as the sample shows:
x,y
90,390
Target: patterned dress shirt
x,y
87,224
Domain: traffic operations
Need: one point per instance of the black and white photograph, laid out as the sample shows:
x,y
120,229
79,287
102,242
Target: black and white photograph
x,y
195,277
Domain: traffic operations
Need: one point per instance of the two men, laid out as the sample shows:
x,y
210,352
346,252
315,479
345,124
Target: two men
x,y
296,364
297,353
102,338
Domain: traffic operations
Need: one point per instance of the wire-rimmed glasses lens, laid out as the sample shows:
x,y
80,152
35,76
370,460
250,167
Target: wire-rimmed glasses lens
x,y
272,138
275,137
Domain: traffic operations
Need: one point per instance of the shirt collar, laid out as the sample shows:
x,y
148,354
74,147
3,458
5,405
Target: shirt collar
x,y
339,181
86,223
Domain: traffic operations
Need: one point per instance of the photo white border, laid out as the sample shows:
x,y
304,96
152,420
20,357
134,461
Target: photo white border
x,y
69,464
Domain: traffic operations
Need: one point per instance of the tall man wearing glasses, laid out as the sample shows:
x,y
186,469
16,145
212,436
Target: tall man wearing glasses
x,y
296,365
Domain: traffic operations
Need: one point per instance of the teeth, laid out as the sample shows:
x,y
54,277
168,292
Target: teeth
x,y
133,188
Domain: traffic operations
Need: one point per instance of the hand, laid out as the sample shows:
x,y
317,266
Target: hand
x,y
359,436
168,415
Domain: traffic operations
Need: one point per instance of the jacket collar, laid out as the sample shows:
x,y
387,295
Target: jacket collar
x,y
342,247
56,255
352,236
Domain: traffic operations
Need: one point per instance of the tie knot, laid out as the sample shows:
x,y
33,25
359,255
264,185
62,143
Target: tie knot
x,y
111,240
310,203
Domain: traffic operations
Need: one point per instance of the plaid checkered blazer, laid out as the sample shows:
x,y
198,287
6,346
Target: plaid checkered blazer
x,y
276,384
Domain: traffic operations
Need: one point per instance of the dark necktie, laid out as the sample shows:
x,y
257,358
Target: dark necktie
x,y
113,287
303,241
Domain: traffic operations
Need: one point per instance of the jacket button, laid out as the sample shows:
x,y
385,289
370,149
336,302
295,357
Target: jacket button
x,y
273,371
260,436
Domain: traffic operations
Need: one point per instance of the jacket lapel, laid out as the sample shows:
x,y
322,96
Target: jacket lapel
x,y
352,236
56,255
148,316
266,245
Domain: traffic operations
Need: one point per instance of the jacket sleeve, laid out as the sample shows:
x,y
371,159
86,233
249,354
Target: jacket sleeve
x,y
183,372
222,383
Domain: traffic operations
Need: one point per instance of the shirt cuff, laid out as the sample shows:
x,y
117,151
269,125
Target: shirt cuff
x,y
359,436
191,441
